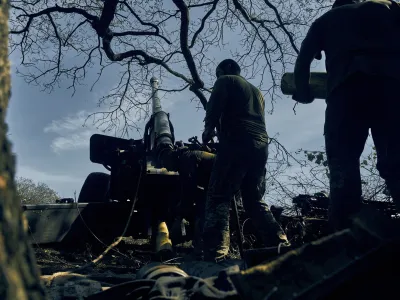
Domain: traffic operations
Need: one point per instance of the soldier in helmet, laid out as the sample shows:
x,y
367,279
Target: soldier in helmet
x,y
236,108
362,49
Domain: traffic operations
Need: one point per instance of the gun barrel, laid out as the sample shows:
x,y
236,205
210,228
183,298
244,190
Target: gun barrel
x,y
156,103
161,132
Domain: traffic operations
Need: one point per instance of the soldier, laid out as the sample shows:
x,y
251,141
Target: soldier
x,y
362,48
236,108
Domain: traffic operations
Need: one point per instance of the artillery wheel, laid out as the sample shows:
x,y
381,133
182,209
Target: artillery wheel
x,y
95,188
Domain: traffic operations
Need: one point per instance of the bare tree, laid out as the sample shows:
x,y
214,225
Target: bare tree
x,y
19,275
62,41
30,192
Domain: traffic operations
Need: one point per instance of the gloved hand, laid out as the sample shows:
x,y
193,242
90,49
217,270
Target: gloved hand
x,y
207,135
304,96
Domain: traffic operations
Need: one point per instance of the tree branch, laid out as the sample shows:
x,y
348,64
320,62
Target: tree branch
x,y
107,15
184,32
157,29
278,17
203,22
144,60
47,11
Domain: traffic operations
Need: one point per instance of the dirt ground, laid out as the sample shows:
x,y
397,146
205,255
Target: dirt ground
x,y
63,276
58,265
127,257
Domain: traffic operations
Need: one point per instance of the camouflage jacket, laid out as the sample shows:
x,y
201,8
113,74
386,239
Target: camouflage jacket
x,y
236,108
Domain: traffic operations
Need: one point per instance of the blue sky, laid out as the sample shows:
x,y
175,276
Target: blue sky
x,y
52,145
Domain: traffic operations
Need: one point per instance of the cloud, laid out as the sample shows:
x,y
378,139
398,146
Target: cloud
x,y
73,141
73,131
67,124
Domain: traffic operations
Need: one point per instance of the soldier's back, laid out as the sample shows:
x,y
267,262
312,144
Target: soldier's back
x,y
244,115
362,37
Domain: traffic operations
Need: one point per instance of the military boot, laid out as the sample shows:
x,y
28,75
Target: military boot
x,y
270,230
216,251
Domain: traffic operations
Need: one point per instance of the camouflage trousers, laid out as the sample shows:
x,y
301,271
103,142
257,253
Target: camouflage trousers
x,y
237,166
361,103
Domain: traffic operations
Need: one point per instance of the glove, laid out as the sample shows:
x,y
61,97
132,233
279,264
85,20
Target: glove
x,y
304,97
207,135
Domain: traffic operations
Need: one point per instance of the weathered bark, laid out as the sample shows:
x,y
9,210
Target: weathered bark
x,y
19,275
317,84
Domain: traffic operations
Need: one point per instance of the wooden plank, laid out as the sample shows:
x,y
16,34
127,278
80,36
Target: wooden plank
x,y
317,83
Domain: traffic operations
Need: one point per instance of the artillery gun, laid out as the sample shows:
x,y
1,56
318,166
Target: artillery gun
x,y
144,171
136,165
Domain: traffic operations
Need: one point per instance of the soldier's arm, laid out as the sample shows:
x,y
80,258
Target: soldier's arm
x,y
310,48
216,104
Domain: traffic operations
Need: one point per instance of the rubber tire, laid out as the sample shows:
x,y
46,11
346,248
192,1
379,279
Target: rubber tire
x,y
95,188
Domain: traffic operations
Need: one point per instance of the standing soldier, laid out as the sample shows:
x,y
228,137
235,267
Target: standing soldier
x,y
362,48
236,108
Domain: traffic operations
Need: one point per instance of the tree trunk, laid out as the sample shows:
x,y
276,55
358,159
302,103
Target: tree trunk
x,y
19,275
317,84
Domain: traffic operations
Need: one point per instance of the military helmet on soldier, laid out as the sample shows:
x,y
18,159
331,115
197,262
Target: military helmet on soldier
x,y
228,67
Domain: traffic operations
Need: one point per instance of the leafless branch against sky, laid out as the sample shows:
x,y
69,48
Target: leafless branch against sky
x,y
62,41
